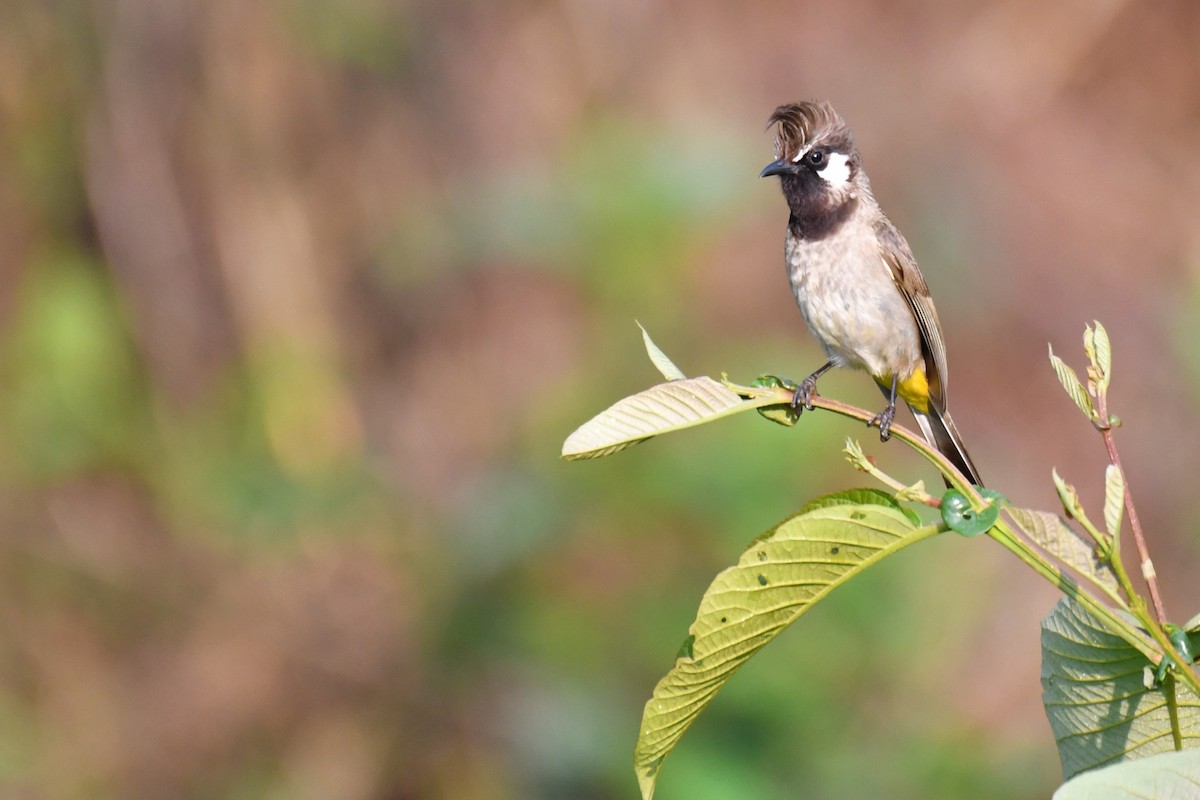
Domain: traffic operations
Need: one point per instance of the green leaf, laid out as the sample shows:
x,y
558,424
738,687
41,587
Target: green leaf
x,y
1192,628
1114,499
783,413
660,409
1180,641
1056,537
1070,382
1166,776
848,497
1099,352
657,357
782,575
1098,705
854,497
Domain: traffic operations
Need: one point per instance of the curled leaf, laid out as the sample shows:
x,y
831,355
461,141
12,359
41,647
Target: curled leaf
x,y
1067,495
1099,352
782,413
1179,640
963,519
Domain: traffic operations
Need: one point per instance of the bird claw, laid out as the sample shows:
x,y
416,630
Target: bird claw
x,y
884,421
802,398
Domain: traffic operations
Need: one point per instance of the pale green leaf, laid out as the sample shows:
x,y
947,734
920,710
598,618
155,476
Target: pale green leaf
x,y
1070,382
1056,537
1166,776
1099,708
1089,349
657,357
850,497
780,414
1066,495
1114,499
1099,352
660,409
853,497
782,575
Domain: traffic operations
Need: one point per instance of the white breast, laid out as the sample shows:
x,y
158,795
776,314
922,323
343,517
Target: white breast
x,y
851,303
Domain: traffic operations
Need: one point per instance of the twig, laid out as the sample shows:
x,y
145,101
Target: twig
x,y
1135,526
1016,543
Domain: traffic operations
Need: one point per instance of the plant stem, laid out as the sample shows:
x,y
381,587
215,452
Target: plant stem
x,y
1103,423
1018,546
1136,638
1065,583
1184,671
1110,556
1135,526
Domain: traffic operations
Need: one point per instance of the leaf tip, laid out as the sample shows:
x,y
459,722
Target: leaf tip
x,y
658,358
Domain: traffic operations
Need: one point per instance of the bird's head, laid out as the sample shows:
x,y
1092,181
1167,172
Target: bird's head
x,y
815,157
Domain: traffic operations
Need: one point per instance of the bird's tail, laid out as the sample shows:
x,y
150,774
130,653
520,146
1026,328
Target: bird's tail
x,y
938,429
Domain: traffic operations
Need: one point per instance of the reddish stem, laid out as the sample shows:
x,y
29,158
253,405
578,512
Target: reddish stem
x,y
1135,526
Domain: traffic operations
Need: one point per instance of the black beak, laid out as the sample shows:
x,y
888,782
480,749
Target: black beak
x,y
780,167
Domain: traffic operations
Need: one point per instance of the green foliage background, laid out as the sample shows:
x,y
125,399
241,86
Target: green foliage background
x,y
300,299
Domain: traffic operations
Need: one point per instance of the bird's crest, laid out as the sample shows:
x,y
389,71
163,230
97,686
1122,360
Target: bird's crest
x,y
800,125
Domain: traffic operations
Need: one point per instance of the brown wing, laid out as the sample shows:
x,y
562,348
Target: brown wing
x,y
911,283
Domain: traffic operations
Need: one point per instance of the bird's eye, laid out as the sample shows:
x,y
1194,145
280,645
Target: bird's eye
x,y
815,158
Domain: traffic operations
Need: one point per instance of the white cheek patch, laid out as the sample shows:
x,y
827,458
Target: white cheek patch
x,y
837,170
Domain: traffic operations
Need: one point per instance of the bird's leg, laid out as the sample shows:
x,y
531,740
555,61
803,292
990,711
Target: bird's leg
x,y
802,399
884,418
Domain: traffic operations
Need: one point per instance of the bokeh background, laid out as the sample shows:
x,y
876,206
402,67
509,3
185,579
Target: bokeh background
x,y
300,298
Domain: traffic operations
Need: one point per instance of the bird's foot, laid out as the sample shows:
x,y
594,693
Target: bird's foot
x,y
884,420
802,398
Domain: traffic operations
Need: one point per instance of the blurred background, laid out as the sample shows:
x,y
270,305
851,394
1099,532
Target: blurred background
x,y
300,299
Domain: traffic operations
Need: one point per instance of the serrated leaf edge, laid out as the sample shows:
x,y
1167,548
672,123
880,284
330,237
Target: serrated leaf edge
x,y
1072,385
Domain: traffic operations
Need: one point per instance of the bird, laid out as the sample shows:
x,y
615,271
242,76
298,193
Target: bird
x,y
856,280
